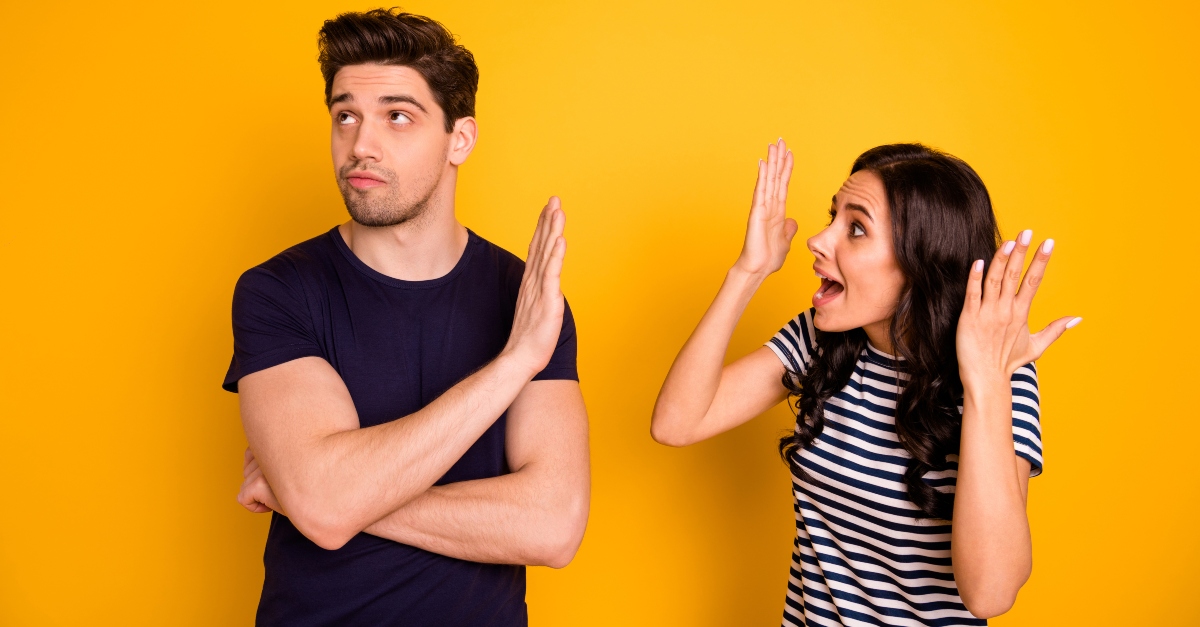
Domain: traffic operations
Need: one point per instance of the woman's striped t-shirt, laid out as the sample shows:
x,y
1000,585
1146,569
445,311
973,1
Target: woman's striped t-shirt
x,y
861,556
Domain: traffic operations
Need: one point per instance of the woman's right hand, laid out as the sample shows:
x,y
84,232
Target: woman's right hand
x,y
769,231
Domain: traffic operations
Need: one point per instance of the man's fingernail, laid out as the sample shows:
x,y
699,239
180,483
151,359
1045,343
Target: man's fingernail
x,y
1008,246
1047,247
1074,321
1026,236
978,266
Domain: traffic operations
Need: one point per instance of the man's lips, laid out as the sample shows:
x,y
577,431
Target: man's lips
x,y
364,181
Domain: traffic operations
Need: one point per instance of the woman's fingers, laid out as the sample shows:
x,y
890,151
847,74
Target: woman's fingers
x,y
785,179
1015,265
760,188
772,172
1042,340
994,280
789,230
1033,277
974,286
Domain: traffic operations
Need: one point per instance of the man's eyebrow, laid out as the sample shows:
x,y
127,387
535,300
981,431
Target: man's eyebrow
x,y
857,207
395,99
342,97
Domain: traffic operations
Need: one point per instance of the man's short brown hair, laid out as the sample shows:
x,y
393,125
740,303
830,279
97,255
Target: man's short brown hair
x,y
391,37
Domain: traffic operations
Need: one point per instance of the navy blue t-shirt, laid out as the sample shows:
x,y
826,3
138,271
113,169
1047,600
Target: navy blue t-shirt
x,y
397,345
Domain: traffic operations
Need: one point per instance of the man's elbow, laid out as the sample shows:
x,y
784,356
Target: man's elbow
x,y
558,543
322,525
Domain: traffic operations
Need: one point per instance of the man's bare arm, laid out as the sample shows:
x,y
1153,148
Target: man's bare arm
x,y
535,515
334,479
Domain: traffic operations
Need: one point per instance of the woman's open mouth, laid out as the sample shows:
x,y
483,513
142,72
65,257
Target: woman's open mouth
x,y
828,291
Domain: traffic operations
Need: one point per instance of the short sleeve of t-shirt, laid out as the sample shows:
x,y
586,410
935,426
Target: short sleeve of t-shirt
x,y
271,324
562,362
796,343
1026,417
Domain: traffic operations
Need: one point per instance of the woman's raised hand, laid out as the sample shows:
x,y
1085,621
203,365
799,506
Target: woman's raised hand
x,y
769,231
993,336
539,314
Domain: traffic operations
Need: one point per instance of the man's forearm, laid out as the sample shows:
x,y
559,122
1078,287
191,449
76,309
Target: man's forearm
x,y
344,480
525,517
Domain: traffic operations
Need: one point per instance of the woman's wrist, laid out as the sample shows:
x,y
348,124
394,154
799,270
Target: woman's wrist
x,y
745,279
984,391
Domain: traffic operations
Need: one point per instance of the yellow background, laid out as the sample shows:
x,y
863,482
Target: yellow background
x,y
153,153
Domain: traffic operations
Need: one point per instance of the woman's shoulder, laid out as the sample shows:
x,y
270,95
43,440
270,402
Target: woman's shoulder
x,y
796,343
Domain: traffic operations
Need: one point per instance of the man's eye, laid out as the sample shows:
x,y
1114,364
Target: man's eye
x,y
399,118
856,230
832,216
345,118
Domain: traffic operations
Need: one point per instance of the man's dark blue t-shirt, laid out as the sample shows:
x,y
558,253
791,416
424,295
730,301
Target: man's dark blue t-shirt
x,y
398,345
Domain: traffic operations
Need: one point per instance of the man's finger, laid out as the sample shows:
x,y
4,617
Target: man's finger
x,y
558,222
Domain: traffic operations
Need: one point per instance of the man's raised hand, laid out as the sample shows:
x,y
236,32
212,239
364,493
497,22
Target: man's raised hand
x,y
539,313
769,231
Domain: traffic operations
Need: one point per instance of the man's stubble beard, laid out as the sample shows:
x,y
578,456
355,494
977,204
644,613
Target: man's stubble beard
x,y
368,209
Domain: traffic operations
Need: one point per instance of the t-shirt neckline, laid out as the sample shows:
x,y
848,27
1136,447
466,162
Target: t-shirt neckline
x,y
358,264
881,358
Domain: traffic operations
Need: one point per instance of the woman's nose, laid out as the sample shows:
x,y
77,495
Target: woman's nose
x,y
818,244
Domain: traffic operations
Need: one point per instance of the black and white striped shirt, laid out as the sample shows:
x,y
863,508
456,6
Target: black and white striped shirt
x,y
861,556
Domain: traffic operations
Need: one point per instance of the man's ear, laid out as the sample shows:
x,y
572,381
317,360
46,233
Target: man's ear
x,y
462,140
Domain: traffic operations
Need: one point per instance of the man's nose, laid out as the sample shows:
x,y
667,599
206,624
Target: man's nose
x,y
367,146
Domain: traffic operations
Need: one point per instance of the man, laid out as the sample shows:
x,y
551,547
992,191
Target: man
x,y
408,389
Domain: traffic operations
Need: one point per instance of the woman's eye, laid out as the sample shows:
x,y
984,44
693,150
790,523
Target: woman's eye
x,y
856,230
399,117
345,118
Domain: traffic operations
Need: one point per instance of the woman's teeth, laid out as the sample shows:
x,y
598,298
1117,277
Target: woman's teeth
x,y
829,287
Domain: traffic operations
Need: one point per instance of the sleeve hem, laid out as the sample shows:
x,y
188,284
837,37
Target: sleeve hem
x,y
1035,464
557,374
274,358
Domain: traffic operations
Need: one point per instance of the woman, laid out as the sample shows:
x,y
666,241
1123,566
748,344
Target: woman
x,y
914,387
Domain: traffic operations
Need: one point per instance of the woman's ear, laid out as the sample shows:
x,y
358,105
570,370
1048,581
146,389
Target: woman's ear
x,y
462,140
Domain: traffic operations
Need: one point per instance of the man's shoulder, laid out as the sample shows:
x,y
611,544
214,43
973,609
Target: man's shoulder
x,y
510,266
296,262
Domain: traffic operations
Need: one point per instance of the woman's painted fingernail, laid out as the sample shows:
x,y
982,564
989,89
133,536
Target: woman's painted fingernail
x,y
1008,246
1025,237
977,266
1074,321
1047,247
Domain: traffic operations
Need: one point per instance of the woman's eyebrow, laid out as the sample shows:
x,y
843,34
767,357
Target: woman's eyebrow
x,y
857,207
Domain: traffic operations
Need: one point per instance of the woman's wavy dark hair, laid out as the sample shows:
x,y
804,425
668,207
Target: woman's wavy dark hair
x,y
942,221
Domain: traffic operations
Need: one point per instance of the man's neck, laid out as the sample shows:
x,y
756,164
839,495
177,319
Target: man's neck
x,y
418,250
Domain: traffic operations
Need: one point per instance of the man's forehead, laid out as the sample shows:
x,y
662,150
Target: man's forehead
x,y
373,77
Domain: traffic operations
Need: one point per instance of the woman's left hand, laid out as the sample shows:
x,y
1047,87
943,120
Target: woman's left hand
x,y
993,336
